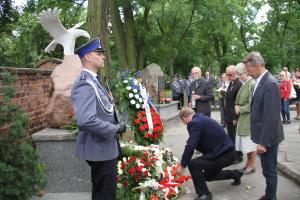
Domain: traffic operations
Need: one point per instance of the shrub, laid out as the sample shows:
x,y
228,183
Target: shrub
x,y
20,173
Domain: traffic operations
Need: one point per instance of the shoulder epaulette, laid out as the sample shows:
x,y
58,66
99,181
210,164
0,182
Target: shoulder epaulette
x,y
82,77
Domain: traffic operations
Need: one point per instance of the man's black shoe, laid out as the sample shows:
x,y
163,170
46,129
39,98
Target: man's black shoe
x,y
236,177
204,197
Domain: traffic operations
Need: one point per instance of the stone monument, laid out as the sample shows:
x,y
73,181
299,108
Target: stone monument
x,y
63,76
150,79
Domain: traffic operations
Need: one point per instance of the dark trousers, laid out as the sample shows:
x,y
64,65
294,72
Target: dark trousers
x,y
104,179
269,168
177,98
222,110
231,130
210,170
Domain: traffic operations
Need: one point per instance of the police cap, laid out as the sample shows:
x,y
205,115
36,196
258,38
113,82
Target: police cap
x,y
92,45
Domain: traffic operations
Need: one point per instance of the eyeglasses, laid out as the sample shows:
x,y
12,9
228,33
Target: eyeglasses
x,y
230,75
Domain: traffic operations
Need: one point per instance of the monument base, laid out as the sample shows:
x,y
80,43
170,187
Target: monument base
x,y
168,110
64,172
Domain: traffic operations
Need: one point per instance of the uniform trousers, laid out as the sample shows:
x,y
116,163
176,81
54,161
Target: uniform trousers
x,y
203,170
104,179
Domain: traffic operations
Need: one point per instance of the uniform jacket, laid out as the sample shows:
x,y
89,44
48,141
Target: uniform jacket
x,y
204,89
207,136
232,91
243,99
266,125
97,140
176,88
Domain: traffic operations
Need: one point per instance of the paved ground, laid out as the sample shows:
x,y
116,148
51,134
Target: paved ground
x,y
252,185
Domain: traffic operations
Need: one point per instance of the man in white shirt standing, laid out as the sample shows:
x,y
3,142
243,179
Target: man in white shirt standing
x,y
266,126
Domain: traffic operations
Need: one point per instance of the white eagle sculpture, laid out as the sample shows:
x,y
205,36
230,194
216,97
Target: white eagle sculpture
x,y
51,23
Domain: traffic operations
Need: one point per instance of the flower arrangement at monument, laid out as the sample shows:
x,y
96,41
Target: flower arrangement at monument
x,y
144,119
148,173
141,128
165,100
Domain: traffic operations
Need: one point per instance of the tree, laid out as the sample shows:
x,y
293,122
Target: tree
x,y
97,26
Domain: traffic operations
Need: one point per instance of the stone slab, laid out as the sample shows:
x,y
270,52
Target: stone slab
x,y
64,172
168,111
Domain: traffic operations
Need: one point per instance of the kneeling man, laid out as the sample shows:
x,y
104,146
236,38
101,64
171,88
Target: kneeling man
x,y
207,136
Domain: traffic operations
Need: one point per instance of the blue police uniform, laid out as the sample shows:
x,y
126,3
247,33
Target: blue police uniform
x,y
97,141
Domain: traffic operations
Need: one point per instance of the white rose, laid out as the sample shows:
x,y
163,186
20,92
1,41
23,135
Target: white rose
x,y
130,95
125,81
140,100
138,106
128,88
132,102
135,90
136,96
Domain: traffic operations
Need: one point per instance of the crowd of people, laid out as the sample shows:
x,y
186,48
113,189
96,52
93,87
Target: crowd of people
x,y
254,105
289,88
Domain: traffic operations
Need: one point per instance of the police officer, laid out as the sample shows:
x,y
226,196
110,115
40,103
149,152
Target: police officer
x,y
97,141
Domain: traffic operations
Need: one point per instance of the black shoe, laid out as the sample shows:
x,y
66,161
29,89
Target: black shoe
x,y
204,197
236,177
288,121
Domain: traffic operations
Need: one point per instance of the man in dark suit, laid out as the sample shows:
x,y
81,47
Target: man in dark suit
x,y
202,92
266,125
97,141
207,136
210,79
230,115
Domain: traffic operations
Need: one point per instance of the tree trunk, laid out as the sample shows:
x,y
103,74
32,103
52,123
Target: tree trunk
x,y
118,31
97,20
129,36
141,45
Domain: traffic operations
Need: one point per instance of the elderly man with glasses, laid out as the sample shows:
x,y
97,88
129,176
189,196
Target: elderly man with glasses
x,y
230,115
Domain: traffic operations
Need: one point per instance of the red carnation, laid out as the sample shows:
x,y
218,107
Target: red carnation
x,y
144,119
131,159
125,183
136,121
123,165
136,178
146,135
146,173
150,135
143,112
139,115
132,170
139,169
141,128
146,126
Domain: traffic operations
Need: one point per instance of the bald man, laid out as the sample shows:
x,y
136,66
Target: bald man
x,y
230,97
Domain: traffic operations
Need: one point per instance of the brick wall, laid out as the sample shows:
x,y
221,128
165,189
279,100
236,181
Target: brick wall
x,y
32,93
